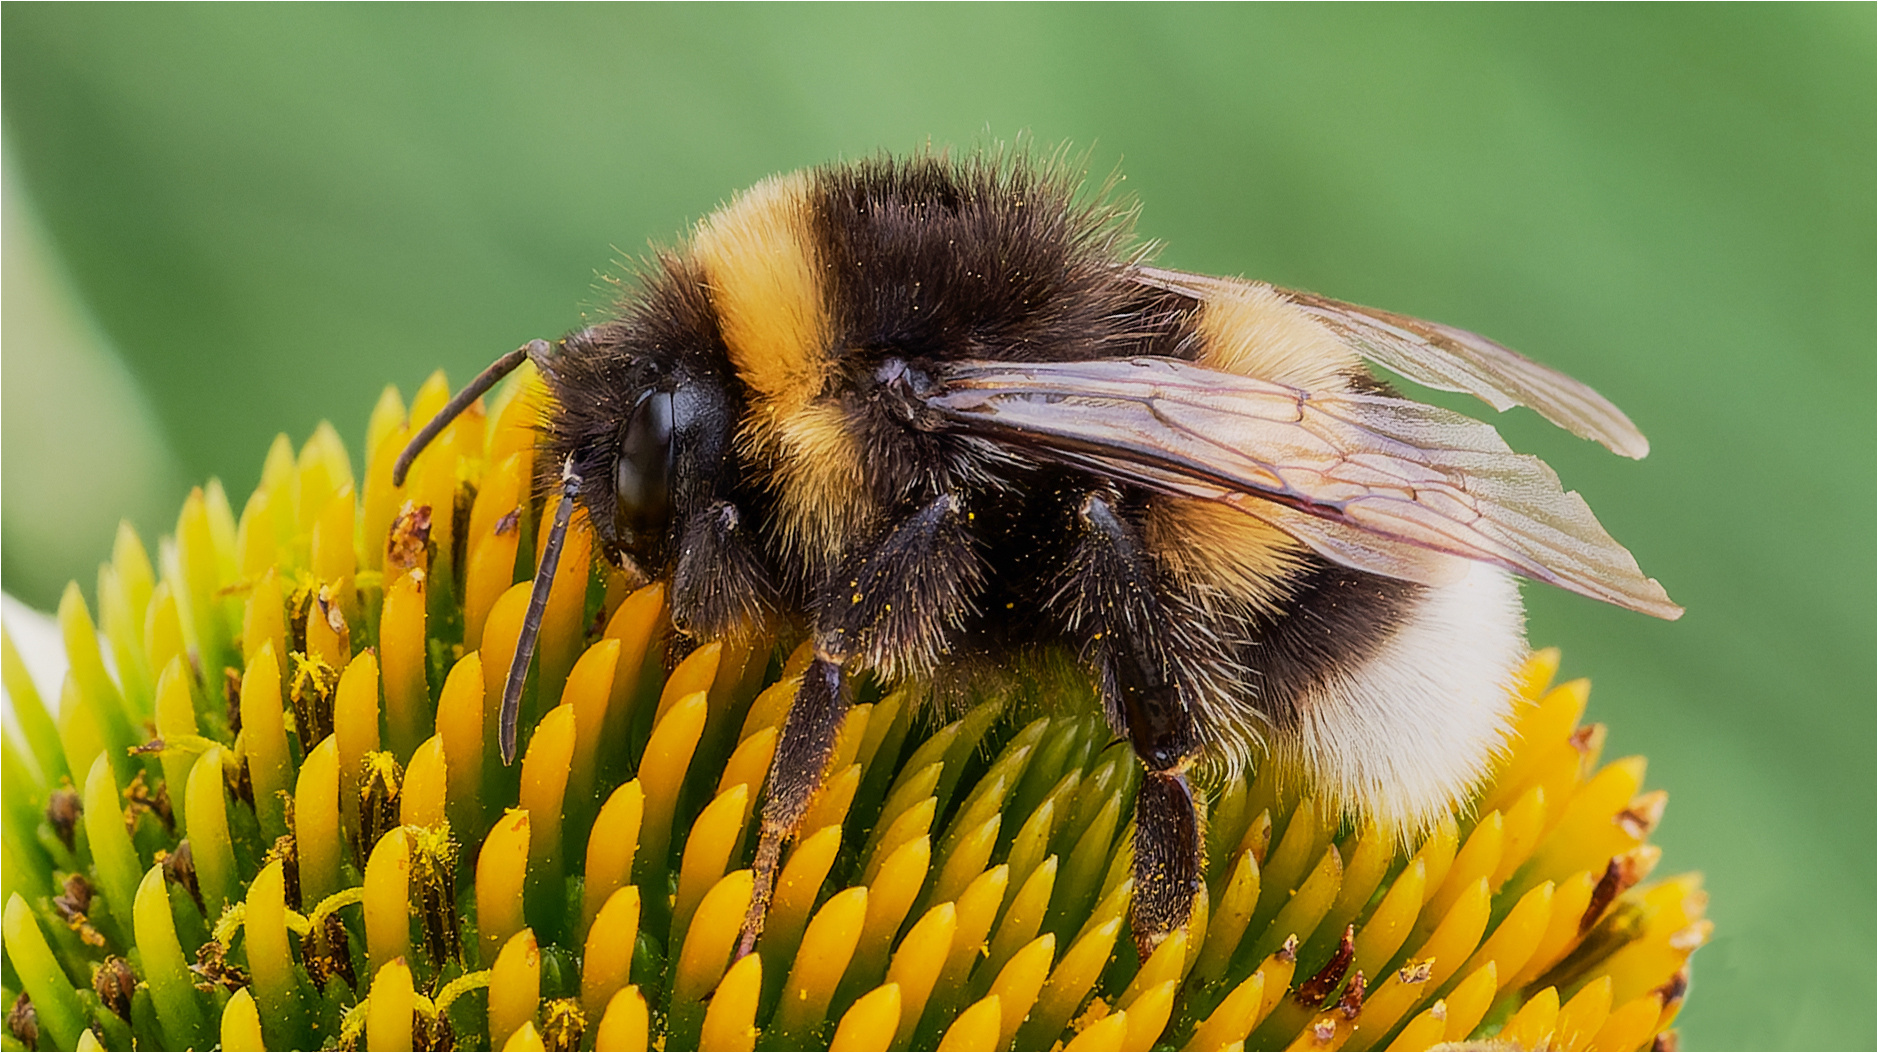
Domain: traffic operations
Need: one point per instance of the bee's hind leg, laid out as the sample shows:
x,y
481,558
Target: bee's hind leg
x,y
1167,859
1168,848
1134,636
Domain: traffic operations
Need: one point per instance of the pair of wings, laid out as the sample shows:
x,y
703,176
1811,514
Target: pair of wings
x,y
1383,484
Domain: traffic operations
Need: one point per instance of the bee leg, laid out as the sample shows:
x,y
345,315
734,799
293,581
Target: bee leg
x,y
891,607
896,604
1134,637
720,586
1167,859
795,773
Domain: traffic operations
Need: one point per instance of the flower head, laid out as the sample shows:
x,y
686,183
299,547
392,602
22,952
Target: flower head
x,y
282,822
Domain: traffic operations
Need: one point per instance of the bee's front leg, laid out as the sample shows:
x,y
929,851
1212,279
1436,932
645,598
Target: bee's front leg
x,y
720,585
890,607
1145,659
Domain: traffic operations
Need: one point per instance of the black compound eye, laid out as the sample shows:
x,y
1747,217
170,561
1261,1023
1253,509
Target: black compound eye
x,y
642,477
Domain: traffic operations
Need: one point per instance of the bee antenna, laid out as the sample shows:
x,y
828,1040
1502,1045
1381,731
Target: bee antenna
x,y
537,603
485,380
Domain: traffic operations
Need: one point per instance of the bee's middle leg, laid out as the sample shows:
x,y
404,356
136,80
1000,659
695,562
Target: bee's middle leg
x,y
1140,654
890,607
796,771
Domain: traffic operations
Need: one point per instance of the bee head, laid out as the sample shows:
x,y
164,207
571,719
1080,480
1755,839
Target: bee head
x,y
647,431
638,436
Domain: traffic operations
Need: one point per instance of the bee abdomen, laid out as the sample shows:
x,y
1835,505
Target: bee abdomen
x,y
1388,700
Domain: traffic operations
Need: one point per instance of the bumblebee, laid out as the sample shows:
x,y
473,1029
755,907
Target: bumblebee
x,y
945,415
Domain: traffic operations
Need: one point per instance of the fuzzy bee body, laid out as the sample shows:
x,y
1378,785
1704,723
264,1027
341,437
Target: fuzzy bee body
x,y
943,414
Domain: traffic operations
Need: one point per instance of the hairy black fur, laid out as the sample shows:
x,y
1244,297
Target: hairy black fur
x,y
720,585
1144,656
905,594
1335,618
982,258
929,260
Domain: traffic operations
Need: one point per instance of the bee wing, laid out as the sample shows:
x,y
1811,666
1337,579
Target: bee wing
x,y
1370,481
1447,359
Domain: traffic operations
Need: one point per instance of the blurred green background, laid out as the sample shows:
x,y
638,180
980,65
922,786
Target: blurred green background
x,y
223,222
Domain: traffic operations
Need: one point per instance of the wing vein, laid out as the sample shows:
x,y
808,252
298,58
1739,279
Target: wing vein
x,y
1374,481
